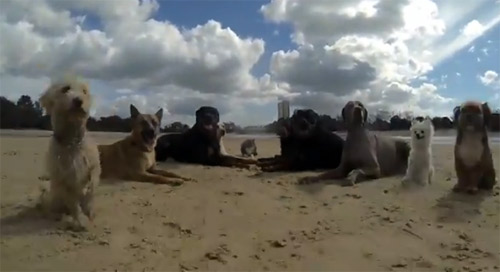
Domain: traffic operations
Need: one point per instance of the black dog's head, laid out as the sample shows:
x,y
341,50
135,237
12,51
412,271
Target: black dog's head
x,y
303,123
472,116
354,114
207,119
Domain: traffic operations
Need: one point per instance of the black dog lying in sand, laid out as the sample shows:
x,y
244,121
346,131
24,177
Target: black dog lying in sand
x,y
200,144
305,145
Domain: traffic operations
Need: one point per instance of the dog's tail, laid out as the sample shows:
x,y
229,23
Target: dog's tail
x,y
403,151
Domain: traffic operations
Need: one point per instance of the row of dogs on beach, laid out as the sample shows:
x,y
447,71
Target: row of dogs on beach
x,y
75,164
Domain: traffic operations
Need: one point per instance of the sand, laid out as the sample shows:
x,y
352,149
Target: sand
x,y
235,219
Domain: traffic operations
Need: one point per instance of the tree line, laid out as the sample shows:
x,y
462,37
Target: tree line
x,y
26,114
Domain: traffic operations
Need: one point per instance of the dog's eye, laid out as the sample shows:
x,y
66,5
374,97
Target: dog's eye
x,y
153,122
84,91
65,89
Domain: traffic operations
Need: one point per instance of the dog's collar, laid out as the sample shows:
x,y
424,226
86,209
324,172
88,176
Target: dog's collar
x,y
60,140
143,148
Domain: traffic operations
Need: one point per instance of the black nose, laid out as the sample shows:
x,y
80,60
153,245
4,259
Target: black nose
x,y
77,102
149,133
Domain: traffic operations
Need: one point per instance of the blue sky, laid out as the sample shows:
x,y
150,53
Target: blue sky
x,y
244,56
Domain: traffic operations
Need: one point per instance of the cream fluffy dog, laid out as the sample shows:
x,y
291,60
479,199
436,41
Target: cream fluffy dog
x,y
72,160
420,169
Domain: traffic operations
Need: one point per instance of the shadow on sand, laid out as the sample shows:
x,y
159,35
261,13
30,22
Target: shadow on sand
x,y
27,220
459,207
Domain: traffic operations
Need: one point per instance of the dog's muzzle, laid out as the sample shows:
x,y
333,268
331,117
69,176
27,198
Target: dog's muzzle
x,y
419,136
77,103
357,115
148,135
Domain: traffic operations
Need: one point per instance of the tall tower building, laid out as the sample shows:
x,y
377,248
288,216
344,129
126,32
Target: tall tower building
x,y
284,109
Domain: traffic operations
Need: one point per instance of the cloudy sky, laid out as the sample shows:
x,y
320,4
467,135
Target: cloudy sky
x,y
243,56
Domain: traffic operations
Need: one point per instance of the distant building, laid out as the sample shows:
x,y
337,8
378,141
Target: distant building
x,y
283,109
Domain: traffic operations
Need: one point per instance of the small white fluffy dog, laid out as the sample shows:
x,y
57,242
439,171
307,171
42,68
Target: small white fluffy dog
x,y
420,169
72,159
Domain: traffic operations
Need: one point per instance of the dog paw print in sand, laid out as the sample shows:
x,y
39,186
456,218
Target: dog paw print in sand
x,y
219,254
467,254
10,153
178,229
43,178
234,193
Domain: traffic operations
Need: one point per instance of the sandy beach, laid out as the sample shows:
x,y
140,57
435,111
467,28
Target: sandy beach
x,y
235,220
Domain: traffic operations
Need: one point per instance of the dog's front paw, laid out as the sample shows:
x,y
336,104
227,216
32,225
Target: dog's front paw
x,y
188,179
176,182
353,177
308,180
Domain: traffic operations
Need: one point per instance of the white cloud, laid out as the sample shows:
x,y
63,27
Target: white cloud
x,y
450,44
133,51
471,49
473,28
490,78
370,50
373,47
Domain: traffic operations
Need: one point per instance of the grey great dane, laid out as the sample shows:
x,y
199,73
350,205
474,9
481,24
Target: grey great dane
x,y
365,155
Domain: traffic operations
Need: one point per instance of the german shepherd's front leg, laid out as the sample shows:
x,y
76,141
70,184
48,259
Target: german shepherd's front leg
x,y
168,174
157,179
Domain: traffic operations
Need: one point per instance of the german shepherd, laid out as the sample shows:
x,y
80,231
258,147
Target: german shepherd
x,y
133,158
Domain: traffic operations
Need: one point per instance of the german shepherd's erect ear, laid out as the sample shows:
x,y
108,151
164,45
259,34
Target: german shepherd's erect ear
x,y
159,114
456,115
134,112
486,114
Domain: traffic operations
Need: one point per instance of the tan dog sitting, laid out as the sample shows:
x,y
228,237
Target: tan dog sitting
x,y
73,159
473,160
133,158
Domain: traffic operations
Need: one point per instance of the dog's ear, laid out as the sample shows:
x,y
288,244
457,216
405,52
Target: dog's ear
x,y
456,114
159,114
343,114
134,112
46,102
365,114
486,114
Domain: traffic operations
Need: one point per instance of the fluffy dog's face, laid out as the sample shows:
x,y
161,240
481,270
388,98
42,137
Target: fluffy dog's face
x,y
421,132
207,119
222,130
354,114
472,116
304,122
69,99
145,127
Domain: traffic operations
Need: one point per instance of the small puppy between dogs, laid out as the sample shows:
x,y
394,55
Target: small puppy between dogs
x,y
248,148
420,169
73,159
133,158
473,160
